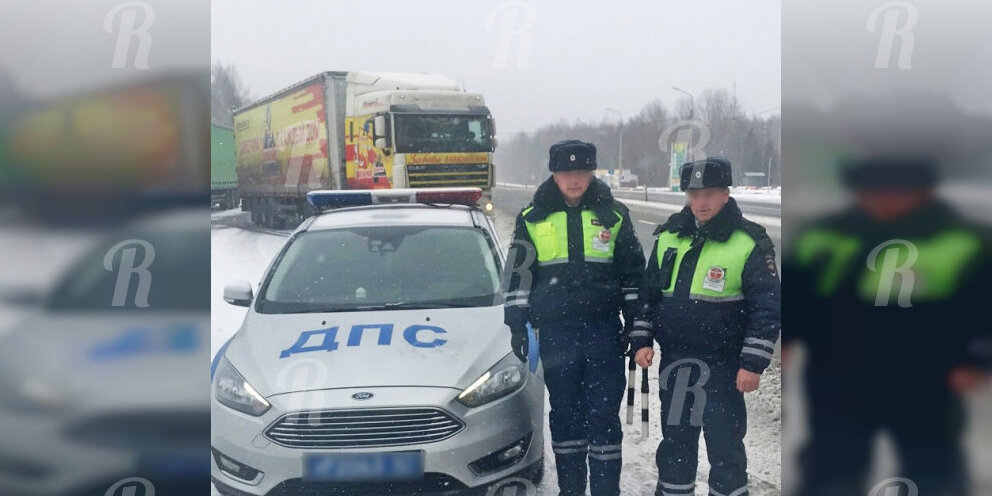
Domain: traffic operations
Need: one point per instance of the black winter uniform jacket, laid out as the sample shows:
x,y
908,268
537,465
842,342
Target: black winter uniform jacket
x,y
577,289
726,331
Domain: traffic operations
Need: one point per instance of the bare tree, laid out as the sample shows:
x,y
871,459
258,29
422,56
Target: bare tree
x,y
753,144
227,92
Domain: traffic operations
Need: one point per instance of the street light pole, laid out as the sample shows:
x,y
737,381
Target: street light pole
x,y
692,114
619,152
768,181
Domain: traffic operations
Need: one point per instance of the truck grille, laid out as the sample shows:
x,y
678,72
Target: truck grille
x,y
365,428
448,175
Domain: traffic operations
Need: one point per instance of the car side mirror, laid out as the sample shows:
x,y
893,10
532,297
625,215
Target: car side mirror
x,y
238,293
379,126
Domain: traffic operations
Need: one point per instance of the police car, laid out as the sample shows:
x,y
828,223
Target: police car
x,y
373,358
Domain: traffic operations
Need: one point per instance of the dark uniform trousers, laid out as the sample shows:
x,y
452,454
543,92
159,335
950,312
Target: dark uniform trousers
x,y
584,374
723,423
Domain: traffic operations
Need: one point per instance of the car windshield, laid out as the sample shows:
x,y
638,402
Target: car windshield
x,y
416,133
383,268
174,262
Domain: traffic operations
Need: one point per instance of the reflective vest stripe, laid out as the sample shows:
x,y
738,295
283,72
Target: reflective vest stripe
x,y
550,238
930,269
719,268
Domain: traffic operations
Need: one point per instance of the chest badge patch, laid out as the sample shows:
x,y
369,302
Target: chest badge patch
x,y
716,277
601,241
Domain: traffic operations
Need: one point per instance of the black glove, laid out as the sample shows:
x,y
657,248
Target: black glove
x,y
518,341
628,325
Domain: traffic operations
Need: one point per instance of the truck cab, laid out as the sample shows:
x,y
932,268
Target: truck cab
x,y
417,131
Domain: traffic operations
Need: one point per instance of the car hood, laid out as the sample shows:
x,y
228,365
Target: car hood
x,y
451,348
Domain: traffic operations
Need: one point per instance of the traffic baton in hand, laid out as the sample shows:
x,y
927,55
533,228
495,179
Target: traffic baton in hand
x,y
644,402
631,369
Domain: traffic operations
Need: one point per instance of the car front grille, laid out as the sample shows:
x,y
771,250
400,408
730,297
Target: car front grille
x,y
448,175
363,428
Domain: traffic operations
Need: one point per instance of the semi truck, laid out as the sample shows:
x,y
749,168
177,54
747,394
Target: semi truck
x,y
223,179
346,130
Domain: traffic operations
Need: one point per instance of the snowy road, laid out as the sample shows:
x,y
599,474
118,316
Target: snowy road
x,y
241,252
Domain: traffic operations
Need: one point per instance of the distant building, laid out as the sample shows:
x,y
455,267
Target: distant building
x,y
754,179
625,179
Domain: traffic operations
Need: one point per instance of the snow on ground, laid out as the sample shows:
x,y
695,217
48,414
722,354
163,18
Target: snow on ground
x,y
239,253
235,253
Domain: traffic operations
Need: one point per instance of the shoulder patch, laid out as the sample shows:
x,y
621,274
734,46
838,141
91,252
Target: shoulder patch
x,y
770,264
617,205
760,237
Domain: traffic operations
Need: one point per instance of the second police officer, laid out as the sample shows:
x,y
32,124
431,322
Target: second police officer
x,y
583,268
712,294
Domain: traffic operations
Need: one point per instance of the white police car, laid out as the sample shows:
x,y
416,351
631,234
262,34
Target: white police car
x,y
374,359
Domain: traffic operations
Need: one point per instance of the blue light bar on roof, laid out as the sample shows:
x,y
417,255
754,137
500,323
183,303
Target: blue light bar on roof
x,y
328,199
322,200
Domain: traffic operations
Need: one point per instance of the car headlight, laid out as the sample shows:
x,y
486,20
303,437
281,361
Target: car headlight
x,y
502,379
232,390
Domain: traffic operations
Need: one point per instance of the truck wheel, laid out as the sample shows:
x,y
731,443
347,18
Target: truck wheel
x,y
307,211
254,212
265,213
298,216
278,219
259,210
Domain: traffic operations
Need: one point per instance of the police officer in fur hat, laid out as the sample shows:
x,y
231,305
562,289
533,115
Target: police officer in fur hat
x,y
584,269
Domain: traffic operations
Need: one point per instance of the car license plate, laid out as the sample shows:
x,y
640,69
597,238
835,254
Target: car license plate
x,y
392,466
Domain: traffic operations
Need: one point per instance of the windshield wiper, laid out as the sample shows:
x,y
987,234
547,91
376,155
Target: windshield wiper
x,y
402,305
413,305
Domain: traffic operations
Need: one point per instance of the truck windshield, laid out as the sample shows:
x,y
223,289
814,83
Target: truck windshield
x,y
383,268
420,133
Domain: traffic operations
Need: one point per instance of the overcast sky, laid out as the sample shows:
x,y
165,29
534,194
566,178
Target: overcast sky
x,y
56,47
563,59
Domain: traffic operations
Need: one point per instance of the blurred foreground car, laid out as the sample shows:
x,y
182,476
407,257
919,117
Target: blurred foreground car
x,y
105,380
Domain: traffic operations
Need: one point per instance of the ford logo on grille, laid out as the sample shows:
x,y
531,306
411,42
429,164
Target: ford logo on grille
x,y
364,395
